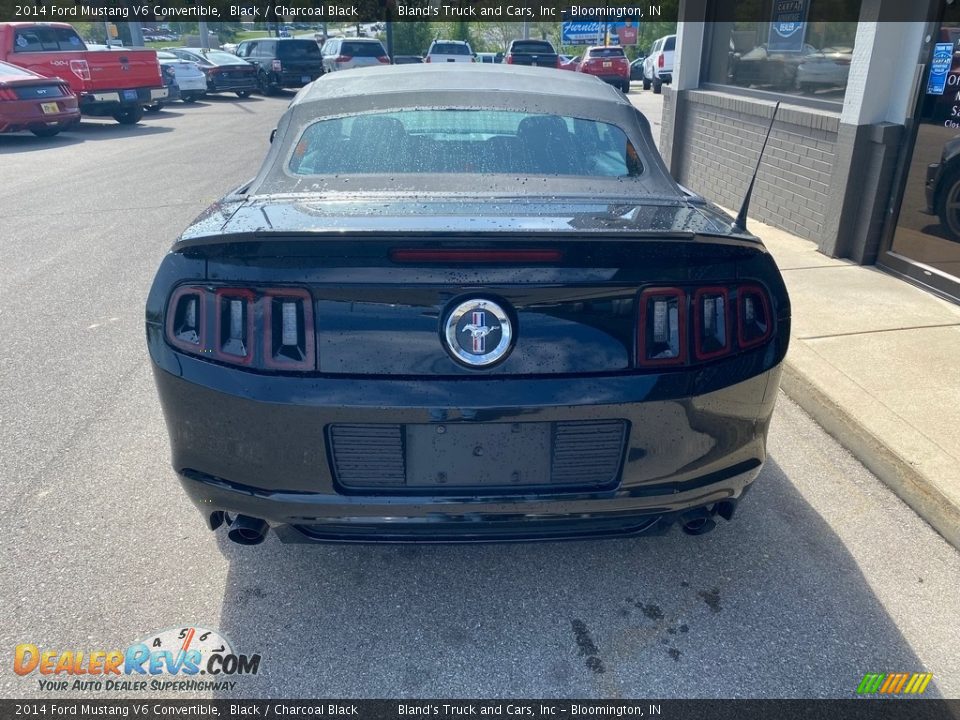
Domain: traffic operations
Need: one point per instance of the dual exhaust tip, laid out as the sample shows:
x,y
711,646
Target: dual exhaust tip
x,y
700,521
244,530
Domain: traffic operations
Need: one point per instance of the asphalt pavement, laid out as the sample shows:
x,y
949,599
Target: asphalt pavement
x,y
823,576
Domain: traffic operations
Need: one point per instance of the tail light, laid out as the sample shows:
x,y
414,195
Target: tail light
x,y
65,89
276,66
663,327
509,59
671,320
344,58
427,59
660,61
264,328
558,62
754,323
80,68
384,59
7,94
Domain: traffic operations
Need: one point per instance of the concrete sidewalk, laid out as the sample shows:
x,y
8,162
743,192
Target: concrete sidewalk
x,y
876,362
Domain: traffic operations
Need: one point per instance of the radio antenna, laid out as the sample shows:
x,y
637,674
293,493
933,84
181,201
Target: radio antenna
x,y
740,224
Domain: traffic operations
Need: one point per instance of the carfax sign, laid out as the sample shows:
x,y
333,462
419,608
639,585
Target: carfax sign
x,y
940,68
787,26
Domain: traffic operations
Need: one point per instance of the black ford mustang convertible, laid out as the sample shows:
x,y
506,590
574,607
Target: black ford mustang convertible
x,y
465,302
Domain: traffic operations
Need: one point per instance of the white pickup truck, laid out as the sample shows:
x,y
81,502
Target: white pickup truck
x,y
658,65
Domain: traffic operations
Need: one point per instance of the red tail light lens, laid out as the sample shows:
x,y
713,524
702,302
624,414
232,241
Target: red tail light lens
x,y
509,59
426,59
716,321
344,58
660,61
267,328
384,59
7,94
80,68
276,66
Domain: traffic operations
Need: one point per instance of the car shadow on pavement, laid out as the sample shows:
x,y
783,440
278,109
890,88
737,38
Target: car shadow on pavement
x,y
85,132
769,605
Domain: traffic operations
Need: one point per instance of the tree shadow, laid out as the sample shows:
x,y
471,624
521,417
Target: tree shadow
x,y
772,604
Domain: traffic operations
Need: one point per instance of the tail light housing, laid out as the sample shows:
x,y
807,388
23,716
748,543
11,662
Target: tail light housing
x,y
344,58
276,66
262,328
660,61
7,94
80,68
684,326
509,59
427,59
384,59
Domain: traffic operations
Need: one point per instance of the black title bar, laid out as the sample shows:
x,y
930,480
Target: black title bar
x,y
856,709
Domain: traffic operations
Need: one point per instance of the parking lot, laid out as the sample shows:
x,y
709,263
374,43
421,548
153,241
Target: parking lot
x,y
823,576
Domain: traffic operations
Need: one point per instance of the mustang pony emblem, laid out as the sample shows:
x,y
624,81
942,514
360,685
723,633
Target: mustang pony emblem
x,y
486,325
479,330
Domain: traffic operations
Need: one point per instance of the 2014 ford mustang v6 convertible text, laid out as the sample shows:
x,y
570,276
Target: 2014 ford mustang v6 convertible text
x,y
465,302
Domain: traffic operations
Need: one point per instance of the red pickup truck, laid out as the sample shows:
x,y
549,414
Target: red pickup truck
x,y
107,83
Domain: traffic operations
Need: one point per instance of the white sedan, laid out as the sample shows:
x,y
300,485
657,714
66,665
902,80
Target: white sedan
x,y
191,80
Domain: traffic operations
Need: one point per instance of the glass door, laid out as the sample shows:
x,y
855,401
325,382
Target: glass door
x,y
925,242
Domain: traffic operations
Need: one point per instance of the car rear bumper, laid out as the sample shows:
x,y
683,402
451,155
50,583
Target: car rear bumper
x,y
666,77
190,85
295,79
232,84
133,96
260,446
25,114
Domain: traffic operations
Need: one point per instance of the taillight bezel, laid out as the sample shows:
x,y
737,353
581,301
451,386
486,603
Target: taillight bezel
x,y
753,289
306,303
249,299
682,357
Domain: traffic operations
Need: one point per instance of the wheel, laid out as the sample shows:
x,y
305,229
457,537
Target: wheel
x,y
646,84
625,86
657,87
154,108
243,93
263,82
129,115
948,204
45,131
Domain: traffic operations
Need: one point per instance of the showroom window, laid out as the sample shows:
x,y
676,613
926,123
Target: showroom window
x,y
795,52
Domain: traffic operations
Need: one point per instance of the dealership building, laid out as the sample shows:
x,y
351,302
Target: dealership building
x,y
868,105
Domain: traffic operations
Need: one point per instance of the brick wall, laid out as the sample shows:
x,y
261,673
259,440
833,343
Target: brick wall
x,y
719,137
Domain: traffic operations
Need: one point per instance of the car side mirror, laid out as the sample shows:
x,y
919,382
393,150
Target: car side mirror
x,y
273,134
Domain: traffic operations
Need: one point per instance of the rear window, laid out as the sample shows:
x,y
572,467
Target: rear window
x,y
669,44
532,47
362,49
14,71
606,52
224,58
45,39
450,49
296,50
464,141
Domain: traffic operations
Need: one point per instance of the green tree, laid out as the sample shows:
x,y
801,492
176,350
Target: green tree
x,y
412,38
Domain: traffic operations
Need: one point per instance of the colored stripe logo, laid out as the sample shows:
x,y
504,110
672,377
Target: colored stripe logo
x,y
894,683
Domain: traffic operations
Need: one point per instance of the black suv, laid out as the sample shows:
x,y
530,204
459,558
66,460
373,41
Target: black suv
x,y
282,62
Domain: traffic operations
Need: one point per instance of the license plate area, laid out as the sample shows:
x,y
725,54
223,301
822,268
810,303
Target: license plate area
x,y
480,455
129,94
465,457
49,108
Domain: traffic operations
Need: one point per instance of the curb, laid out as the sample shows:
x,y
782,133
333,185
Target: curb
x,y
912,486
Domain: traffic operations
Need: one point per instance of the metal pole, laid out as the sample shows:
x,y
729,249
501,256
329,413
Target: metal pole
x,y
526,29
136,34
204,36
390,39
